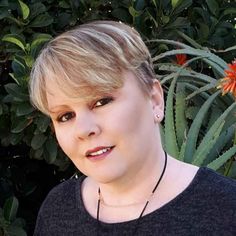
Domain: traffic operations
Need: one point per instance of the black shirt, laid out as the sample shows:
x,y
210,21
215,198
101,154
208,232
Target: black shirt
x,y
206,207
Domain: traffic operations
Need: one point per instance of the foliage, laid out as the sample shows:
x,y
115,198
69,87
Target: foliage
x,y
10,225
23,37
26,25
199,124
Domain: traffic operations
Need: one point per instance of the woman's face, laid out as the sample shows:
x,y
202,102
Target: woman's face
x,y
111,137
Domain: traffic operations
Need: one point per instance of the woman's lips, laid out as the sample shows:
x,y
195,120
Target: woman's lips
x,y
98,152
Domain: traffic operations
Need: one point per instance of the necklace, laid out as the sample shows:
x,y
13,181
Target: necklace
x,y
144,208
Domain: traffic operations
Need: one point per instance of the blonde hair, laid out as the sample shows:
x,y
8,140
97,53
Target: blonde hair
x,y
90,60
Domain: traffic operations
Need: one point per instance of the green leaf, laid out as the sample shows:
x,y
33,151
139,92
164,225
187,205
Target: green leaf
x,y
15,39
29,61
154,2
232,172
182,151
16,138
121,14
170,135
174,3
42,20
38,141
18,68
180,22
4,3
225,138
213,6
42,123
133,12
203,94
37,9
230,49
205,147
204,31
190,40
205,88
24,109
16,91
181,6
180,120
64,4
195,128
13,230
10,209
19,81
51,147
221,160
39,39
211,59
186,73
24,9
165,19
140,4
4,13
229,11
21,125
211,137
152,19
38,154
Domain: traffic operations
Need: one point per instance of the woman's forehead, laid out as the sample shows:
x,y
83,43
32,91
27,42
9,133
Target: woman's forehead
x,y
56,93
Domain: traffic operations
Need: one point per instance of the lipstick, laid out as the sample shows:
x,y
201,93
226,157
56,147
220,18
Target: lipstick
x,y
98,152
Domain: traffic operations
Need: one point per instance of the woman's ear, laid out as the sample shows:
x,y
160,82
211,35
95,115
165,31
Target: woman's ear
x,y
157,99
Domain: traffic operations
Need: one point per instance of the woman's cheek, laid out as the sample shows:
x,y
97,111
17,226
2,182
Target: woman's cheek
x,y
61,138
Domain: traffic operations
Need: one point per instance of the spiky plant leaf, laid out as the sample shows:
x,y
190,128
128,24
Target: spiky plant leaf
x,y
201,153
210,137
182,151
217,163
170,135
180,118
225,138
216,62
191,112
205,88
215,114
195,128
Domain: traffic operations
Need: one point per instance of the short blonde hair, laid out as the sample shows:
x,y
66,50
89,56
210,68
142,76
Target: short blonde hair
x,y
90,60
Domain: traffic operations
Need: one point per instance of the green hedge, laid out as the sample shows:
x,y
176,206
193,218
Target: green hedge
x,y
27,136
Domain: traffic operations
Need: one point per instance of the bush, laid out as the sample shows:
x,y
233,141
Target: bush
x,y
27,136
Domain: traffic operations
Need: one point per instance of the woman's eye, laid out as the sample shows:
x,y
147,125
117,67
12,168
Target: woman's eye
x,y
65,117
103,101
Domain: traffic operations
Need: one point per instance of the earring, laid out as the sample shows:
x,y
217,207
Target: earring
x,y
157,117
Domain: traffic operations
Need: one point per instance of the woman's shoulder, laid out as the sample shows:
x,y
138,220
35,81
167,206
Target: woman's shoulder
x,y
60,209
210,182
214,178
64,194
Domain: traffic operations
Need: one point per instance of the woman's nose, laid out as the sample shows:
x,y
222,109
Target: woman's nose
x,y
86,127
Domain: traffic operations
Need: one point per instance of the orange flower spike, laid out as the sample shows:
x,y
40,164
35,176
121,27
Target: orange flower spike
x,y
228,83
181,59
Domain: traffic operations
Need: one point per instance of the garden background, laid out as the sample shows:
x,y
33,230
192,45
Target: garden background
x,y
193,45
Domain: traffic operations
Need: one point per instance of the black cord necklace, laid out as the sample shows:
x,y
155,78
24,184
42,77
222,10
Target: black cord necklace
x,y
145,206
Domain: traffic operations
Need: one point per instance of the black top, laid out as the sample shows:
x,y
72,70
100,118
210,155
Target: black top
x,y
206,207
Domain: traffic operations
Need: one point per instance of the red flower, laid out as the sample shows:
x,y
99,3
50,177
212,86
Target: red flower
x,y
181,59
228,83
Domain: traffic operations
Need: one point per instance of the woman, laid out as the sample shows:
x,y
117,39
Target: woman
x,y
97,84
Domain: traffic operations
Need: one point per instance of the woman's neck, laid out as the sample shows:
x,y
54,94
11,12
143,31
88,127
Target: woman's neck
x,y
136,186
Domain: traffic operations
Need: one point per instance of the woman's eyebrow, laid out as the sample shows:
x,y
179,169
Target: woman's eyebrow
x,y
55,109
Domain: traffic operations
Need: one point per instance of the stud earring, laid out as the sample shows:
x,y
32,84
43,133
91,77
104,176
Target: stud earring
x,y
157,116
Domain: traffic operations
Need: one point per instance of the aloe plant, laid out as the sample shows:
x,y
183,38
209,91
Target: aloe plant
x,y
199,125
